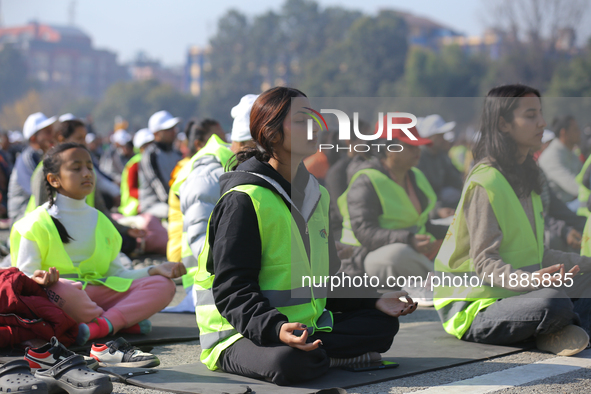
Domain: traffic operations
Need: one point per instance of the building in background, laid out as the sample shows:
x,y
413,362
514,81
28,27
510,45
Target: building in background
x,y
63,57
427,33
143,68
195,67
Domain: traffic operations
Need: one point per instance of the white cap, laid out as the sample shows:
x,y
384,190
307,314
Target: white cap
x,y
15,136
241,115
181,136
142,137
162,120
90,137
120,137
36,122
434,124
66,117
548,136
450,136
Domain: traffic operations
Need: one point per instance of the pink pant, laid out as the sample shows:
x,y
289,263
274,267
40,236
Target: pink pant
x,y
145,297
156,237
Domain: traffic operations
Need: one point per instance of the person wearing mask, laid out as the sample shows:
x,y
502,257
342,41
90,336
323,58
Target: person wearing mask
x,y
444,177
527,291
157,164
560,163
38,130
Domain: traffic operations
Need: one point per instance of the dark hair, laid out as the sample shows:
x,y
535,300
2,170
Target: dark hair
x,y
198,131
560,123
52,161
266,122
501,102
67,128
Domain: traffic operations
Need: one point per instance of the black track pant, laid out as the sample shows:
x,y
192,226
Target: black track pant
x,y
354,333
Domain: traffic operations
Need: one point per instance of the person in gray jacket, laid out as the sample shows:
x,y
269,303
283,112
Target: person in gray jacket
x,y
560,164
200,192
38,130
157,163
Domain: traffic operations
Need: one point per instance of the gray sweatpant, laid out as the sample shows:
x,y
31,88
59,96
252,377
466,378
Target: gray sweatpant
x,y
515,319
396,260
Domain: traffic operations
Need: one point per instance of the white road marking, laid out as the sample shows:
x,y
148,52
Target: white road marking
x,y
515,376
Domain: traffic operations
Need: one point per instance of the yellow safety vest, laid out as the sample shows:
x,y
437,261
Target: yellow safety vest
x,y
129,205
398,212
521,248
284,262
584,193
40,228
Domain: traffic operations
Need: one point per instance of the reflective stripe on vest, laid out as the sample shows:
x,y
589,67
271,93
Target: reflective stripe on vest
x,y
32,204
283,264
398,212
584,192
221,151
40,228
520,247
586,239
129,204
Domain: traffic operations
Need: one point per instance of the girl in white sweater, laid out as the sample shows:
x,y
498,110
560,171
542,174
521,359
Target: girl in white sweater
x,y
68,237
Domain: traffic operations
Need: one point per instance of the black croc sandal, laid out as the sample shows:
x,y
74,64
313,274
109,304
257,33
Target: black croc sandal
x,y
75,377
16,377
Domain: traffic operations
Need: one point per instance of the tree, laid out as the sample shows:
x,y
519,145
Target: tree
x,y
573,79
450,73
13,75
371,57
137,101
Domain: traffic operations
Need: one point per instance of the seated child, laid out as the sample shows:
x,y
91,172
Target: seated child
x,y
68,237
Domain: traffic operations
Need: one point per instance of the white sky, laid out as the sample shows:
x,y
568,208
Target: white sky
x,y
164,29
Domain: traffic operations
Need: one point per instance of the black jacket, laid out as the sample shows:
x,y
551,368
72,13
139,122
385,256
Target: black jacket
x,y
236,254
364,211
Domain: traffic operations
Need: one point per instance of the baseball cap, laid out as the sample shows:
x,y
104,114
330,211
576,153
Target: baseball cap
x,y
90,137
241,115
162,120
548,136
434,124
142,137
36,122
15,136
120,137
67,117
400,135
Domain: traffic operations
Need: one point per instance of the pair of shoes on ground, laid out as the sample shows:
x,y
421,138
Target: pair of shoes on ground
x,y
566,342
117,353
70,374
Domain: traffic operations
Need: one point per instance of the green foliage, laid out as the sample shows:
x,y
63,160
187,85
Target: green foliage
x,y
137,101
13,75
451,73
573,79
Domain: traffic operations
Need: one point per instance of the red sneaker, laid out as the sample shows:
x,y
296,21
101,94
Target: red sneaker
x,y
52,353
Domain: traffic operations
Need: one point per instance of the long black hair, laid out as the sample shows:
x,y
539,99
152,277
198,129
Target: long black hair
x,y
266,123
493,143
52,161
